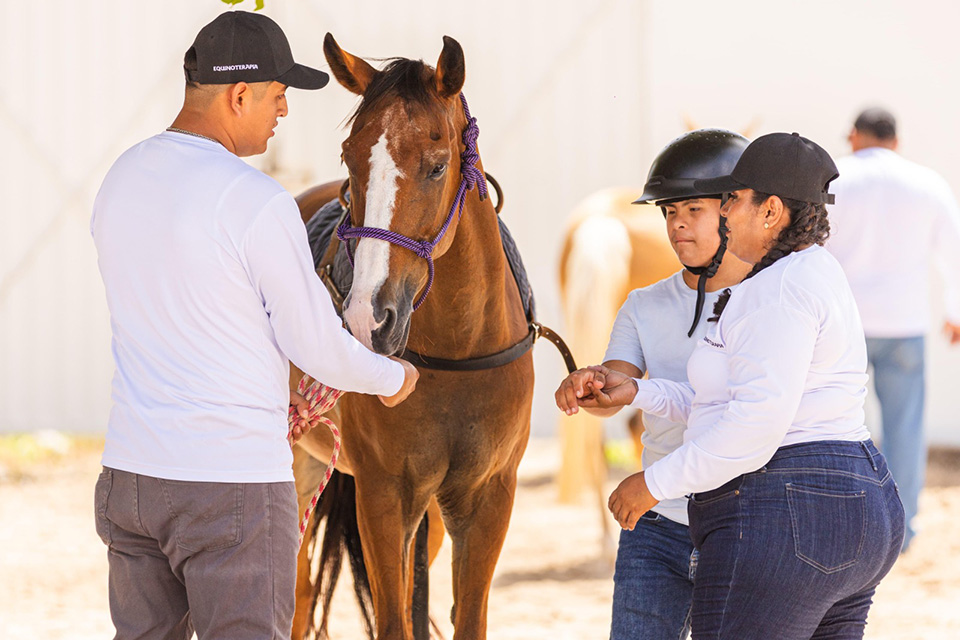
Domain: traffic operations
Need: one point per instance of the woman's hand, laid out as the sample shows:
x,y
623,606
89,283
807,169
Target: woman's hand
x,y
596,387
608,388
631,500
575,388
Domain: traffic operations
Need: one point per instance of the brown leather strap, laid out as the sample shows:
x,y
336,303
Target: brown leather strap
x,y
499,359
491,361
325,270
554,337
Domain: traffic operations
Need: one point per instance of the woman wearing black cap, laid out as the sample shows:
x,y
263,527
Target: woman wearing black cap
x,y
794,511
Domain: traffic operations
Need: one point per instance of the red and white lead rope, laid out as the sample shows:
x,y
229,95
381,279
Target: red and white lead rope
x,y
321,399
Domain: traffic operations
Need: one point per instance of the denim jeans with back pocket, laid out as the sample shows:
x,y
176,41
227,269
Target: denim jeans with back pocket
x,y
796,549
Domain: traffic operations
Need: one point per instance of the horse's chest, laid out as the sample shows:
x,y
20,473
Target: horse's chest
x,y
459,424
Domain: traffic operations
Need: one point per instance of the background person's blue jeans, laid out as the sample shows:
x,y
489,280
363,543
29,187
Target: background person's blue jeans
x,y
653,582
898,379
796,549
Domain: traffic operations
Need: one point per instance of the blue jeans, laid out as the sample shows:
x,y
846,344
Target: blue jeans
x,y
796,549
898,378
653,582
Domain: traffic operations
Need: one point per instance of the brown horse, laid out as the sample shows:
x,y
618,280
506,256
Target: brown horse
x,y
610,248
459,437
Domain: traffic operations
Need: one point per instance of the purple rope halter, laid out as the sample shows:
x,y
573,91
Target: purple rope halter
x,y
470,176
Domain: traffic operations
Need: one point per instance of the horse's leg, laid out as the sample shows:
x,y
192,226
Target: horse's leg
x,y
478,527
307,472
596,461
635,427
436,531
387,518
310,458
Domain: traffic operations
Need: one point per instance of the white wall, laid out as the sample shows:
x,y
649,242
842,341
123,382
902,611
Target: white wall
x,y
570,96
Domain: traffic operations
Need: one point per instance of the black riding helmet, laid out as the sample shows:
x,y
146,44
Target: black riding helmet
x,y
697,155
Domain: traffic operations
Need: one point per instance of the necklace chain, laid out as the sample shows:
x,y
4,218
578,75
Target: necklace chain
x,y
192,133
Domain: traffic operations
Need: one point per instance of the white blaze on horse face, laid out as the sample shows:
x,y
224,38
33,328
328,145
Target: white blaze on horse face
x,y
373,256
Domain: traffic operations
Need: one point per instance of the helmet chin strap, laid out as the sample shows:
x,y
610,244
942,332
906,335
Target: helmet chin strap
x,y
706,273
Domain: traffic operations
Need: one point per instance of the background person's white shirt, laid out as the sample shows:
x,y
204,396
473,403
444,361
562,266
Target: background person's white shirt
x,y
211,289
891,216
785,364
650,332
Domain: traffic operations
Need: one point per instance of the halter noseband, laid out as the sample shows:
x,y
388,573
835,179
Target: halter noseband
x,y
470,176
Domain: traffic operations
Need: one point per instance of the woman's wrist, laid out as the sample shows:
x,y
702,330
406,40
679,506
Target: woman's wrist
x,y
640,396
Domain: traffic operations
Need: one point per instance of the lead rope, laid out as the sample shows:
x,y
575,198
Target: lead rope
x,y
321,399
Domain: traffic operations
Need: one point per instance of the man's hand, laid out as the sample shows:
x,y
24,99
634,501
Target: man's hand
x,y
410,377
301,425
952,332
631,500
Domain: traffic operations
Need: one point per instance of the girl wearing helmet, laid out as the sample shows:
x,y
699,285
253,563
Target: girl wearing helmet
x,y
656,561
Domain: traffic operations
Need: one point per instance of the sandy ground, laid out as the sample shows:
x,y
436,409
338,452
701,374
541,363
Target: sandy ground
x,y
551,581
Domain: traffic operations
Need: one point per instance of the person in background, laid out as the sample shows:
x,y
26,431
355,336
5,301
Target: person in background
x,y
793,509
890,217
656,562
211,291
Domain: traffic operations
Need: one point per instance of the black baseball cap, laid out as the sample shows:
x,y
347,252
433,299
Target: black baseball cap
x,y
781,164
241,46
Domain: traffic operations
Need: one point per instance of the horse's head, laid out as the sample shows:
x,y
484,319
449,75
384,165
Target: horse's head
x,y
403,155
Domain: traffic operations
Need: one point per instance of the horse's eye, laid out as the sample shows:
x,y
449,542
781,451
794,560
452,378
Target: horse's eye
x,y
437,170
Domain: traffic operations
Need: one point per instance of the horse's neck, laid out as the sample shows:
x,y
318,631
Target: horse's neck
x,y
474,307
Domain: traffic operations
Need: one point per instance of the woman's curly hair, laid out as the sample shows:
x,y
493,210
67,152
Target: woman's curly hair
x,y
808,225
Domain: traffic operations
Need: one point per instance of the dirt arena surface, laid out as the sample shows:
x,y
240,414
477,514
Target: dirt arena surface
x,y
551,581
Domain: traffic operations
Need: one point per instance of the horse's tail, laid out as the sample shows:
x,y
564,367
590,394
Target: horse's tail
x,y
338,506
594,276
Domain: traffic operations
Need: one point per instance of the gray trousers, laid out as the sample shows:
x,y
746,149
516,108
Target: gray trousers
x,y
217,558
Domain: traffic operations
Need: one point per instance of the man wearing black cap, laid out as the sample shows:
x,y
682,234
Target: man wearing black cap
x,y
891,215
211,291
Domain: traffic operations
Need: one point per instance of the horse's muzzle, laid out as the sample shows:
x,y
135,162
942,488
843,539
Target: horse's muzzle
x,y
388,333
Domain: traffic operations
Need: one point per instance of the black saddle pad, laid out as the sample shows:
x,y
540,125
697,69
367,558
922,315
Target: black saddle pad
x,y
321,227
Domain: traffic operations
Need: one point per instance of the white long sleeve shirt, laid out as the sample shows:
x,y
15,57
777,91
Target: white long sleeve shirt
x,y
650,332
211,290
785,364
891,216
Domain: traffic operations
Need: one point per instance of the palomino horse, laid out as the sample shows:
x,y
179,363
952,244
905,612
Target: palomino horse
x,y
459,437
610,248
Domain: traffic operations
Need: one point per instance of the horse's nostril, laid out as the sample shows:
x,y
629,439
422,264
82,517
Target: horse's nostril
x,y
389,319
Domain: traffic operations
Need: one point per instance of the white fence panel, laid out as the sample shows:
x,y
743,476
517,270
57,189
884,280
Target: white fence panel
x,y
571,97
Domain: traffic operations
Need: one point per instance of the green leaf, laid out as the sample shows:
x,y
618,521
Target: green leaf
x,y
258,6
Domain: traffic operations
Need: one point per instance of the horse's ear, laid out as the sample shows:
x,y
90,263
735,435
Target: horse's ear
x,y
354,73
689,123
749,130
450,69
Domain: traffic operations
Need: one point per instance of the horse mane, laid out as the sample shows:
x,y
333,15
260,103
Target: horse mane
x,y
404,78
